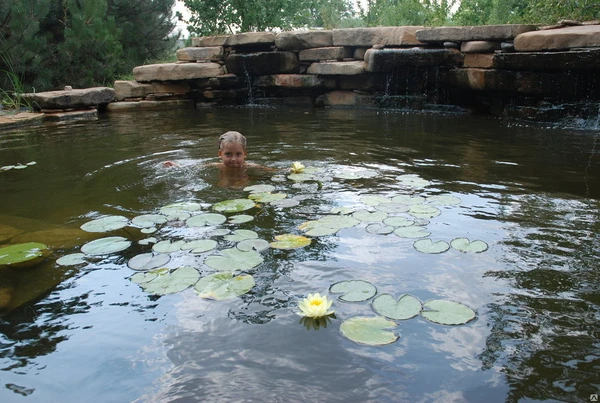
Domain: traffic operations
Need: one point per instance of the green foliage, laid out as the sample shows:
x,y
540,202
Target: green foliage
x,y
49,43
552,11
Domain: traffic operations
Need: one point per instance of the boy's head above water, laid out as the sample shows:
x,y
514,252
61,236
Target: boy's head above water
x,y
232,149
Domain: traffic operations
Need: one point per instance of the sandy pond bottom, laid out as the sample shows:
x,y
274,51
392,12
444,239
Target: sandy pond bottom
x,y
88,332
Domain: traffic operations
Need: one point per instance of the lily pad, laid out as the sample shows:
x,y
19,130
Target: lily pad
x,y
413,180
464,245
371,331
259,188
379,229
356,174
148,220
202,220
72,259
406,307
328,225
234,206
171,282
393,208
167,246
253,244
148,241
447,312
145,277
301,177
374,200
367,216
411,232
408,200
241,235
353,290
285,203
220,232
148,261
106,224
149,230
22,253
234,259
428,246
106,246
267,197
424,211
398,222
220,286
200,246
183,207
443,200
290,241
240,219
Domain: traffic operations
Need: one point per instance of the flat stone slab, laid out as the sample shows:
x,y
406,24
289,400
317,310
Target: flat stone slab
x,y
337,68
297,81
251,38
298,40
387,60
584,59
328,53
262,63
176,71
479,46
367,37
71,99
130,105
559,39
72,115
217,40
20,119
132,89
474,33
209,53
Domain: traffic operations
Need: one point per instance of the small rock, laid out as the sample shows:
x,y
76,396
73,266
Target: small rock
x,y
451,45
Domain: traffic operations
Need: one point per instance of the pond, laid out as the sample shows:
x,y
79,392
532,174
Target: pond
x,y
526,197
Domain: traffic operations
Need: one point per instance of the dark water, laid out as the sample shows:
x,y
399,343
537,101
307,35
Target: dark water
x,y
531,193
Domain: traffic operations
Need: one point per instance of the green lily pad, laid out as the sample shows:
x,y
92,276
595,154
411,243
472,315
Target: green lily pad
x,y
240,219
267,197
148,220
464,245
367,216
148,261
398,222
253,244
176,209
259,188
411,232
145,277
234,206
413,180
22,253
447,312
168,282
106,246
428,246
202,220
220,286
241,235
374,200
167,246
408,200
405,307
301,177
341,210
328,225
393,208
234,259
424,211
72,259
369,330
106,224
379,229
149,230
148,241
443,200
220,232
356,174
353,290
290,241
200,246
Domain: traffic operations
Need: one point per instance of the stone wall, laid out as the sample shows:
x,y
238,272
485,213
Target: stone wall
x,y
537,73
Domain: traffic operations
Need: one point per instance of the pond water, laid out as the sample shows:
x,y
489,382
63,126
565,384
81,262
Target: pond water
x,y
88,332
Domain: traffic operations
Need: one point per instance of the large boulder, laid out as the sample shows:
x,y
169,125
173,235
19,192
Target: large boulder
x,y
125,89
72,98
387,60
176,71
337,68
328,53
367,37
251,39
298,40
217,40
559,39
192,54
262,63
475,33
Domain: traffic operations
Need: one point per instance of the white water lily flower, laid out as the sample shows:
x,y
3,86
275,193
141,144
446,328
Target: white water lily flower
x,y
315,306
297,167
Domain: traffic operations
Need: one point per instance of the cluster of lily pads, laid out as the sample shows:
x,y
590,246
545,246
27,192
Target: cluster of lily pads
x,y
375,330
17,166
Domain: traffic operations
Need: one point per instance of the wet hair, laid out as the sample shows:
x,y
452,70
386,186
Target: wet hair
x,y
232,137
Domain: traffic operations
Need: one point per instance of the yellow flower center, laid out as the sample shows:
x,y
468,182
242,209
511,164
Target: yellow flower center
x,y
316,302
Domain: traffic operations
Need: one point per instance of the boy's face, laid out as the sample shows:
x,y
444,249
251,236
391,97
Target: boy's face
x,y
233,155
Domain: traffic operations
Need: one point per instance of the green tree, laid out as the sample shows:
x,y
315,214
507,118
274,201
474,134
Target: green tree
x,y
552,11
